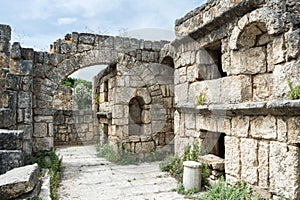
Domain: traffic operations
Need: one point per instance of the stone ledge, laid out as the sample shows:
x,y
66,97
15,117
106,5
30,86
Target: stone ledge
x,y
287,107
107,115
18,181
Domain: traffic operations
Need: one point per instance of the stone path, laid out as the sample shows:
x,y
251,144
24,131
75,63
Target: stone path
x,y
87,177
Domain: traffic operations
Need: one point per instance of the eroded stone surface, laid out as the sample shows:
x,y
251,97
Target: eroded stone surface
x,y
87,177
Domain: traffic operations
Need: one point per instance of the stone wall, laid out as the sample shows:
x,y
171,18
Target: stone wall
x,y
136,104
239,59
62,99
75,127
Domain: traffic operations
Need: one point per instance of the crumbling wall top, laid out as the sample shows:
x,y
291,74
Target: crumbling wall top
x,y
214,13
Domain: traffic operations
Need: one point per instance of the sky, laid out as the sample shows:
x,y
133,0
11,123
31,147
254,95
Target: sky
x,y
38,23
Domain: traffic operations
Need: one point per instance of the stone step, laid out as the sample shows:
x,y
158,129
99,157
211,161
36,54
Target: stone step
x,y
10,159
19,181
11,139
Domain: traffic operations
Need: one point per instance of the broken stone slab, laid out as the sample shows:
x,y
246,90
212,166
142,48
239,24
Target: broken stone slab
x,y
215,162
18,181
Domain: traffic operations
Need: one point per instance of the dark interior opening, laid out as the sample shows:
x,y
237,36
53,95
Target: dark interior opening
x,y
105,91
136,106
215,51
168,61
214,143
105,132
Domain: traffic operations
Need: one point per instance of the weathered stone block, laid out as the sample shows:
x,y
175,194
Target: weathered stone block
x,y
263,164
281,129
293,130
292,44
181,93
241,91
40,130
26,67
284,170
25,100
11,140
232,156
263,127
240,126
12,81
262,87
249,162
18,181
276,52
249,61
282,73
43,144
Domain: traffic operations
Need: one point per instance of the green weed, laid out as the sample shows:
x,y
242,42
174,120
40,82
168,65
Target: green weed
x,y
51,161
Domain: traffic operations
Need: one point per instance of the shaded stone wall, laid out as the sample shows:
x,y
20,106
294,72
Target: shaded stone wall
x,y
240,58
75,127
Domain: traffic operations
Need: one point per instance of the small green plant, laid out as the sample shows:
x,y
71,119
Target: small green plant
x,y
51,161
294,92
181,190
97,99
174,164
223,191
201,99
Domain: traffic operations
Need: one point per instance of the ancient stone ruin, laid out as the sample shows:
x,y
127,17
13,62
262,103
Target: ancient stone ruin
x,y
225,81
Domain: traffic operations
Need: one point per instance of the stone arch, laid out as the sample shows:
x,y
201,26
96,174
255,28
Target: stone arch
x,y
264,19
168,60
76,51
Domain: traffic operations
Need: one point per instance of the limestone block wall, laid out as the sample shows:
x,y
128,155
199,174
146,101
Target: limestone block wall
x,y
62,99
136,104
75,127
240,64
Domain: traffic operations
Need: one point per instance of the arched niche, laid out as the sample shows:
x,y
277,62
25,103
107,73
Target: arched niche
x,y
136,121
254,25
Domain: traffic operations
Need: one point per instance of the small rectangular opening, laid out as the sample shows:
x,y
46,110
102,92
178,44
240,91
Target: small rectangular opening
x,y
106,91
215,51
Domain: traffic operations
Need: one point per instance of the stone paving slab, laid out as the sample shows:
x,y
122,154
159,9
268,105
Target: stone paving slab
x,y
86,177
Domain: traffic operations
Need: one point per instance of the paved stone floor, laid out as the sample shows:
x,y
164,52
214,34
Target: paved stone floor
x,y
87,177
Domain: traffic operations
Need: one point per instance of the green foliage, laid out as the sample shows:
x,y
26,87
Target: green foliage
x,y
82,91
223,191
201,99
174,164
82,94
37,198
294,92
123,157
51,161
181,190
69,82
97,99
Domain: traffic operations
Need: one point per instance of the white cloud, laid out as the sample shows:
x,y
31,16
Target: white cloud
x,y
66,20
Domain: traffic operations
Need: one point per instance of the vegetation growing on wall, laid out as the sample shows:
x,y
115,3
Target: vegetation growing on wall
x,y
294,92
